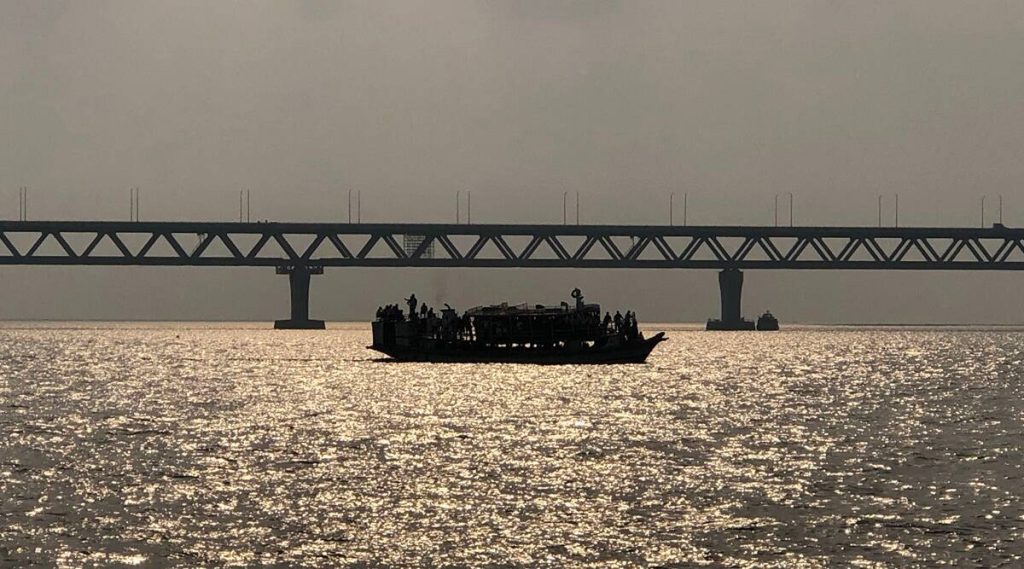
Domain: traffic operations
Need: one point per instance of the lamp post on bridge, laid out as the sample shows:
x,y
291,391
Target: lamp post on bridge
x,y
244,214
133,204
896,198
1000,211
359,206
672,208
458,207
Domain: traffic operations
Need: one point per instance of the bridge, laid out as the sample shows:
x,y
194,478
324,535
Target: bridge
x,y
304,249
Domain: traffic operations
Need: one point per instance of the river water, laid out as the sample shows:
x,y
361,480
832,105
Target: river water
x,y
210,445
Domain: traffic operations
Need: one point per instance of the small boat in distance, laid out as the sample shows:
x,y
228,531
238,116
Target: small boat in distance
x,y
504,333
767,322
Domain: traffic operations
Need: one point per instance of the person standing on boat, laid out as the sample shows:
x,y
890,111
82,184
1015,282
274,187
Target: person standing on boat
x,y
618,321
632,330
412,302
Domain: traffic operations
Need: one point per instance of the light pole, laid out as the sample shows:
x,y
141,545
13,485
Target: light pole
x,y
577,208
469,207
350,206
671,199
564,194
790,208
896,204
458,205
244,198
133,199
1000,209
776,210
983,211
684,208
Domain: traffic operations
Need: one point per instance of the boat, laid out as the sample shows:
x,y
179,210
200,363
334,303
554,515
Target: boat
x,y
767,322
505,333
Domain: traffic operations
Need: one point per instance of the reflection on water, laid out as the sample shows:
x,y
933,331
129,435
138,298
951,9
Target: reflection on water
x,y
210,446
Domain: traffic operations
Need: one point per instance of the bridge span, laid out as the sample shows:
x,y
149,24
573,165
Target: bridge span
x,y
303,249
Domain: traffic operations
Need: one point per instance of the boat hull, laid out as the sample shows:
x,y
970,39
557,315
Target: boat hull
x,y
767,325
634,352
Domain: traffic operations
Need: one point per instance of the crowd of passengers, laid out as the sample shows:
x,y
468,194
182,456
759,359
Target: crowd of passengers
x,y
450,325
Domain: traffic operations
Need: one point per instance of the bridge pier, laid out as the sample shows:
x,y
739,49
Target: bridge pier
x,y
298,281
730,285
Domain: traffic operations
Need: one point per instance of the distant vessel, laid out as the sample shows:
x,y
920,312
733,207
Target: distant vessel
x,y
767,321
504,333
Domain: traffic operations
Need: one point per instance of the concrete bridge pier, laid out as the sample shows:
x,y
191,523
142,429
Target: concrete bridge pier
x,y
730,285
298,281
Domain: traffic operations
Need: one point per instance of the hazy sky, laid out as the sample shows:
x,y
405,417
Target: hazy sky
x,y
622,101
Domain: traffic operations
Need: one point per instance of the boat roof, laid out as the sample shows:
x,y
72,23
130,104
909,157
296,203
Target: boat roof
x,y
505,309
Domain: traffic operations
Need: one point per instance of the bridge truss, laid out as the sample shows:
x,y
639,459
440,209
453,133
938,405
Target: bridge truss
x,y
538,246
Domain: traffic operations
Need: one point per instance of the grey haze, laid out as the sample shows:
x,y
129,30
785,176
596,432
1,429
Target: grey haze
x,y
407,102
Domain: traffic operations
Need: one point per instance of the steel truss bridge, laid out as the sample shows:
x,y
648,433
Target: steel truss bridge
x,y
547,246
301,249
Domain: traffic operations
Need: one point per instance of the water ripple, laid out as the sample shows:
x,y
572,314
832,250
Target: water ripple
x,y
213,446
